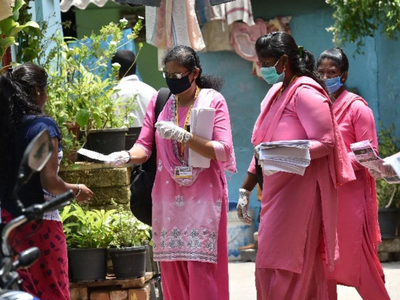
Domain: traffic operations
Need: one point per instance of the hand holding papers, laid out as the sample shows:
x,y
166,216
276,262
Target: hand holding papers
x,y
284,156
389,168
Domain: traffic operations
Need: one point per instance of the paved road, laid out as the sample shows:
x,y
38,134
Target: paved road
x,y
241,282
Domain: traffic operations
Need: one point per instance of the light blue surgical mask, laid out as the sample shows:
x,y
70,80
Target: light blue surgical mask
x,y
333,84
270,74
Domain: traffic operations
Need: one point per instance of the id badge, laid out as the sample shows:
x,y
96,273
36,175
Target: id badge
x,y
183,172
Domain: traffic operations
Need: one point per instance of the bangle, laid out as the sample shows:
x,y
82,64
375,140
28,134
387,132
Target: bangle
x,y
129,157
79,190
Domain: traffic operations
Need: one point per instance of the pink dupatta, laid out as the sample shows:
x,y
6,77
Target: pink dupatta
x,y
341,107
340,167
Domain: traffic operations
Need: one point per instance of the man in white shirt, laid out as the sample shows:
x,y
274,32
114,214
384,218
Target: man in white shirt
x,y
130,86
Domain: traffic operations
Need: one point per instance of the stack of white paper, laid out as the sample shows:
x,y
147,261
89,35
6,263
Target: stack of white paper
x,y
366,156
291,156
202,125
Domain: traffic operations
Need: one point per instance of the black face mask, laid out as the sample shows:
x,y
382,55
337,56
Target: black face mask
x,y
177,86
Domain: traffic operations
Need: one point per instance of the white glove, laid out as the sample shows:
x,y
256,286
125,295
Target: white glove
x,y
117,159
170,131
243,206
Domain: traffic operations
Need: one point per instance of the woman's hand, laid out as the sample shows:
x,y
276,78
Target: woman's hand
x,y
84,194
117,159
170,131
243,207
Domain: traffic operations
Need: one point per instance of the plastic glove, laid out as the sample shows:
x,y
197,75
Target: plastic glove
x,y
117,159
171,131
243,206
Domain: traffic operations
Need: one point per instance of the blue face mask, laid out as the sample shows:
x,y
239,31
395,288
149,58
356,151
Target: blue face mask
x,y
333,84
270,74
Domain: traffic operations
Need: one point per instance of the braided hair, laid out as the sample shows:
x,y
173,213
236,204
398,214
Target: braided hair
x,y
17,90
188,58
276,44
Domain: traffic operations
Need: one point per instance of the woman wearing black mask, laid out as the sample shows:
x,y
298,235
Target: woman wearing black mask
x,y
189,199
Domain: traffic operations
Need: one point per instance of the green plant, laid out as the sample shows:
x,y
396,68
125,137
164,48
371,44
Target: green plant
x,y
388,194
80,87
357,19
129,231
19,28
87,228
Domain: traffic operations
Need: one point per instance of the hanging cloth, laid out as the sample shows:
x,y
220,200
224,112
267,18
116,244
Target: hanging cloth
x,y
6,9
239,10
173,23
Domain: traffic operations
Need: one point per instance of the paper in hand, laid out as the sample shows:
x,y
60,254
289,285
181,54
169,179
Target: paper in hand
x,y
93,154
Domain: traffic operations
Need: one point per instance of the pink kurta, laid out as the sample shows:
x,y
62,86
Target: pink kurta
x,y
357,205
188,224
289,200
186,218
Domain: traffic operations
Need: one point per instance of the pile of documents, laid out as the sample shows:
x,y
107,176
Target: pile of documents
x,y
291,156
367,157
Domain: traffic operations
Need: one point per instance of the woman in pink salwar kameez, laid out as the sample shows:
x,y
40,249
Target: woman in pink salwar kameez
x,y
297,229
358,229
189,203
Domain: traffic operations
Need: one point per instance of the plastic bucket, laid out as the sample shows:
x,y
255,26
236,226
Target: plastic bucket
x,y
239,234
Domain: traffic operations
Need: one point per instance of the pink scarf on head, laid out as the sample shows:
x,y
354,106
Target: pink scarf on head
x,y
339,164
342,105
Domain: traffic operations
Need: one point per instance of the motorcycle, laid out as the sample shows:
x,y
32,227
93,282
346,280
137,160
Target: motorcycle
x,y
35,157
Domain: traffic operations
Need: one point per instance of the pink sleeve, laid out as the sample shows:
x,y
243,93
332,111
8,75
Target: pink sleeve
x,y
364,128
252,166
222,129
315,115
146,136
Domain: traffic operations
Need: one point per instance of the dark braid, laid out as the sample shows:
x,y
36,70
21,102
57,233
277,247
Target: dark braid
x,y
16,101
278,43
188,58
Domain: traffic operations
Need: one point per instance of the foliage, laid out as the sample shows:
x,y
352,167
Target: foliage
x,y
356,19
87,228
80,87
129,231
20,28
389,144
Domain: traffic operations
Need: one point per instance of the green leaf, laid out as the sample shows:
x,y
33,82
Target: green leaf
x,y
82,117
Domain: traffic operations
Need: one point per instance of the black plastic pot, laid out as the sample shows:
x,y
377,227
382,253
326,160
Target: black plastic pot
x,y
388,219
87,264
131,137
129,262
106,141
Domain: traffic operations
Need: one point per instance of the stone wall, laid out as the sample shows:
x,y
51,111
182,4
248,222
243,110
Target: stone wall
x,y
105,182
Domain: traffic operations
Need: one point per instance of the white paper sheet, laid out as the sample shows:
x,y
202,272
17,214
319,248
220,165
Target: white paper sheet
x,y
202,125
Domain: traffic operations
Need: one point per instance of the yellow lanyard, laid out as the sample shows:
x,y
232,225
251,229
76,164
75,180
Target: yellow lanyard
x,y
187,120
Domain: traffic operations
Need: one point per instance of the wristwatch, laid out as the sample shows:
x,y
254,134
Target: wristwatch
x,y
186,137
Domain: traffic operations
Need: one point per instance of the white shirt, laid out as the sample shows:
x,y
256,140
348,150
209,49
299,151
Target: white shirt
x,y
127,88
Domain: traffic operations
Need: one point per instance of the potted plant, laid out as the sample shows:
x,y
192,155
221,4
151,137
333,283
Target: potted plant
x,y
129,248
388,194
88,233
80,88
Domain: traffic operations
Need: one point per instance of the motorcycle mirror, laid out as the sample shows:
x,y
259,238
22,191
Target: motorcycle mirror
x,y
26,258
35,157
